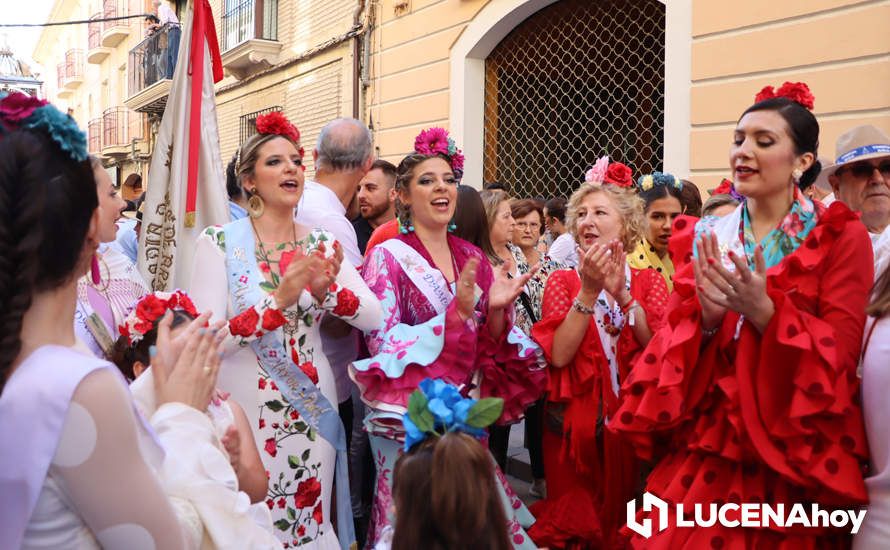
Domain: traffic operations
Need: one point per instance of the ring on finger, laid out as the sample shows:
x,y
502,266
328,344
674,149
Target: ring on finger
x,y
207,370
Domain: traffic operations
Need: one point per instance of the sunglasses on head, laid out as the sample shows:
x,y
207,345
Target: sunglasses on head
x,y
864,169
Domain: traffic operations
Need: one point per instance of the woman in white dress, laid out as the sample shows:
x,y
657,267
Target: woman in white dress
x,y
79,468
274,280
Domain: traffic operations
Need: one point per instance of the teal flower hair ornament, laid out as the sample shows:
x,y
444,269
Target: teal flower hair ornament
x,y
437,408
18,110
656,179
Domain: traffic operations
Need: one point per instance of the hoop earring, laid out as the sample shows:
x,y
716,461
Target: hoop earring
x,y
796,174
452,227
255,206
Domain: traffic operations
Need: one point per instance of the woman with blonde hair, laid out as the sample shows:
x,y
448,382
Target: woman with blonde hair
x,y
274,280
593,325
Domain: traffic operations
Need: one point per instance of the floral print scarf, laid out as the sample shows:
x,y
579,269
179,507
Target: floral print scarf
x,y
784,239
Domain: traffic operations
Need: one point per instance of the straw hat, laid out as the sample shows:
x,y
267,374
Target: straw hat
x,y
861,143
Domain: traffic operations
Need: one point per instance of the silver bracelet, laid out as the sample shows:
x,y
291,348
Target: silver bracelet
x,y
578,306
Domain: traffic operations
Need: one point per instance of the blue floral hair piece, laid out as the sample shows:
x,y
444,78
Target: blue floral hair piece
x,y
437,408
656,179
18,110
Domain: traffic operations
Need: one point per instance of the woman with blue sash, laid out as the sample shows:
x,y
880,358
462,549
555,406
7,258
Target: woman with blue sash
x,y
448,316
274,280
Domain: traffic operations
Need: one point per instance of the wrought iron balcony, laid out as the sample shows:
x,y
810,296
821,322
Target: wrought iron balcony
x,y
250,37
94,133
70,73
150,67
113,32
96,52
120,127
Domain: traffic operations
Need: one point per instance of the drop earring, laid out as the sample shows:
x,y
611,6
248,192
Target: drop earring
x,y
255,205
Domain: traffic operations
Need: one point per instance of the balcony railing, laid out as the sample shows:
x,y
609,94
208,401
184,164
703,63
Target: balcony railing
x,y
250,37
114,31
151,64
96,52
94,29
70,73
120,126
94,131
248,20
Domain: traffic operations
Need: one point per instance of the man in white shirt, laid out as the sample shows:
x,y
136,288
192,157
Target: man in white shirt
x,y
167,17
342,157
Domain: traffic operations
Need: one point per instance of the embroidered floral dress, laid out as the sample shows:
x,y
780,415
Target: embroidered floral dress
x,y
416,340
534,289
770,417
300,464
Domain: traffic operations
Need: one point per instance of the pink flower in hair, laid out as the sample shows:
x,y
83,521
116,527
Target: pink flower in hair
x,y
598,171
17,107
432,141
457,161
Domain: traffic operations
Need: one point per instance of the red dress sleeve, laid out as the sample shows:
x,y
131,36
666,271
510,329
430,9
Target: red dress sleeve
x,y
682,239
789,392
647,286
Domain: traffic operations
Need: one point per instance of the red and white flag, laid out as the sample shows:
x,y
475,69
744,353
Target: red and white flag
x,y
186,190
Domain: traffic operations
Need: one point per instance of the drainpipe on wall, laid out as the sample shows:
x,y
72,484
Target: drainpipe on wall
x,y
357,65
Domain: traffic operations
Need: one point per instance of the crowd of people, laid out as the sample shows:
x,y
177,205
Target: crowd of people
x,y
345,366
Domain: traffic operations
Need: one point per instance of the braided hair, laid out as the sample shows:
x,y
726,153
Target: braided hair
x,y
47,200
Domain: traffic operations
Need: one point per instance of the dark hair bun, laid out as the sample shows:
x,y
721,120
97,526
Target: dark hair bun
x,y
809,177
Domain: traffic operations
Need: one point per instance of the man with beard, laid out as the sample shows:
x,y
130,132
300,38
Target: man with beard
x,y
376,200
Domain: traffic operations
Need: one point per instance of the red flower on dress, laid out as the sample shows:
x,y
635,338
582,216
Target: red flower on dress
x,y
294,415
309,370
278,124
262,383
262,423
347,303
287,257
16,107
301,530
245,323
308,492
272,319
281,502
271,447
619,174
317,514
264,267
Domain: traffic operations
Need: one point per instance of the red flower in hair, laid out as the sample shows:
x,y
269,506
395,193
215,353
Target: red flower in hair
x,y
150,308
278,124
768,92
619,174
724,188
798,92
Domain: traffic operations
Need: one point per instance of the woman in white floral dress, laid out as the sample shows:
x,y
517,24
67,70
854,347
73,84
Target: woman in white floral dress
x,y
274,280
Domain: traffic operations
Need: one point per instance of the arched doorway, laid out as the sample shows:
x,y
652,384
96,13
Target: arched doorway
x,y
575,80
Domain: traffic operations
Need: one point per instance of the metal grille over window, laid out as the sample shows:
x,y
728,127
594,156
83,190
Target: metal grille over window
x,y
248,122
576,80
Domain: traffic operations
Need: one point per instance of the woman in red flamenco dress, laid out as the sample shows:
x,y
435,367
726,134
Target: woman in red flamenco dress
x,y
749,392
595,320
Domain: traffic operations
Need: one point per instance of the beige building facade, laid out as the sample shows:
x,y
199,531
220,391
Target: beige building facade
x,y
532,90
86,71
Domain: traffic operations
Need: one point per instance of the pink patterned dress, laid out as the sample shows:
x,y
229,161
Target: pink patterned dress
x,y
421,336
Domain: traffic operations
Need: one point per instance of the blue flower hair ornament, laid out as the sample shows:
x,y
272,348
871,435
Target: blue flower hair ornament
x,y
18,110
656,179
437,408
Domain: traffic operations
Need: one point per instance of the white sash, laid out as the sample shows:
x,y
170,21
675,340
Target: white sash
x,y
428,280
